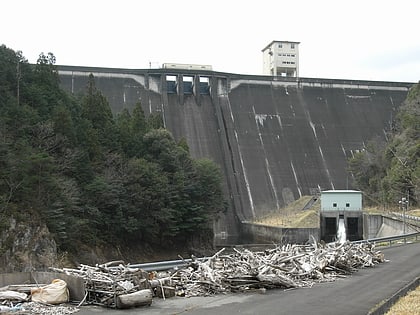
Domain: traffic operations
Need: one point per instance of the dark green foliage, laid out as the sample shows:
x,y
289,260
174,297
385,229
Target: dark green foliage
x,y
94,178
98,122
130,131
148,217
40,87
388,171
9,61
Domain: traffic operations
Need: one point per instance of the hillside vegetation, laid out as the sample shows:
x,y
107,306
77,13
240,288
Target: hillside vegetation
x,y
95,179
387,171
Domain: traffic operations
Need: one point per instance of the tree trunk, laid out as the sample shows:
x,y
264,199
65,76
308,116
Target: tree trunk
x,y
139,298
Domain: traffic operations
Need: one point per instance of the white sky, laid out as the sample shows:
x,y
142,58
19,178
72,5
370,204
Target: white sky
x,y
354,39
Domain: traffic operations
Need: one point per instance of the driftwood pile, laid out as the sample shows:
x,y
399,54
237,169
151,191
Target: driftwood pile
x,y
288,266
113,284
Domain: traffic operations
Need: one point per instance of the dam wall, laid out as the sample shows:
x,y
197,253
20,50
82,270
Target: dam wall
x,y
264,234
275,138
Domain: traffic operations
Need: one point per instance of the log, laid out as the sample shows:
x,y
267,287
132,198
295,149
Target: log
x,y
277,280
135,299
165,292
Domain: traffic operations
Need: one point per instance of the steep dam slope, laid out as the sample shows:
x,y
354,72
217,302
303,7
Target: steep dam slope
x,y
276,139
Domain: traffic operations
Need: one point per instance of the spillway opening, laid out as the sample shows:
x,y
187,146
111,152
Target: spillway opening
x,y
353,229
204,85
188,82
330,229
171,84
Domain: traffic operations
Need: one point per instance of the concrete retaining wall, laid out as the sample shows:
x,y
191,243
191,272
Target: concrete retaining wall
x,y
391,226
261,234
75,285
371,225
377,225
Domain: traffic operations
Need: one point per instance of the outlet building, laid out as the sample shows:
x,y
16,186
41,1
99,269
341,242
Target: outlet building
x,y
281,58
345,205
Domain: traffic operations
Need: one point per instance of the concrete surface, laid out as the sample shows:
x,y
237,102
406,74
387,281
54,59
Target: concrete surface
x,y
75,284
354,295
274,138
263,234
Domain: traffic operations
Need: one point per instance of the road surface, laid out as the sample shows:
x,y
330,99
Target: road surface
x,y
354,295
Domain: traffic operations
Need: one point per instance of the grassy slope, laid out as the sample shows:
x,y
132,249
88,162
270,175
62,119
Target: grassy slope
x,y
407,305
293,216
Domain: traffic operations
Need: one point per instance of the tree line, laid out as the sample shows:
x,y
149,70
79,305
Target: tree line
x,y
91,176
388,170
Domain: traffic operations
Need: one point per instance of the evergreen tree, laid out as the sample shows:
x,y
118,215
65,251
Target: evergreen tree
x,y
96,110
42,90
94,179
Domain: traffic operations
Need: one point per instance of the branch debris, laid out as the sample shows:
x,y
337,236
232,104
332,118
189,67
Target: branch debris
x,y
286,266
117,285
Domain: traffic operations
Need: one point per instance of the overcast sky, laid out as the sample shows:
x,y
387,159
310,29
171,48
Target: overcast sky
x,y
355,39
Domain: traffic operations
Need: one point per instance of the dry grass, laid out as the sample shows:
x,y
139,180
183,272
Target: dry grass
x,y
407,305
293,216
415,212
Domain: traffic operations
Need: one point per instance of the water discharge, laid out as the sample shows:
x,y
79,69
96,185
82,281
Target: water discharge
x,y
341,231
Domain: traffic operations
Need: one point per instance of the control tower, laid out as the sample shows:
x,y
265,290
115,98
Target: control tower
x,y
341,207
281,58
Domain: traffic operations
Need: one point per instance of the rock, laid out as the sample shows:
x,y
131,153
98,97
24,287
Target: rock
x,y
26,246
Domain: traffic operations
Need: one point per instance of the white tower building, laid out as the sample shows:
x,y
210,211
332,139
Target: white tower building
x,y
281,58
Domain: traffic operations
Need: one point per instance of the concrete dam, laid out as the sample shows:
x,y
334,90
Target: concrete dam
x,y
275,138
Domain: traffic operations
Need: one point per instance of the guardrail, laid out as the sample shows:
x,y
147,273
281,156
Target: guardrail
x,y
165,265
410,217
389,239
171,264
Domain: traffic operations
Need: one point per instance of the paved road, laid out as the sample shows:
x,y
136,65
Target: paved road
x,y
354,295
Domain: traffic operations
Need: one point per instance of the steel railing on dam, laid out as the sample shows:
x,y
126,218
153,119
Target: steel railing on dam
x,y
171,264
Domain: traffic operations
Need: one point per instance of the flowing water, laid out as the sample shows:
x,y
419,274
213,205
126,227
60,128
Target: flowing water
x,y
341,232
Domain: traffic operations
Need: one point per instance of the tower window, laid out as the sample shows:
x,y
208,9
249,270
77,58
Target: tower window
x,y
334,204
292,46
347,204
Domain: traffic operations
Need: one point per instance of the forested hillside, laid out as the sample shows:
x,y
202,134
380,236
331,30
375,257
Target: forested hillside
x,y
387,171
93,178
